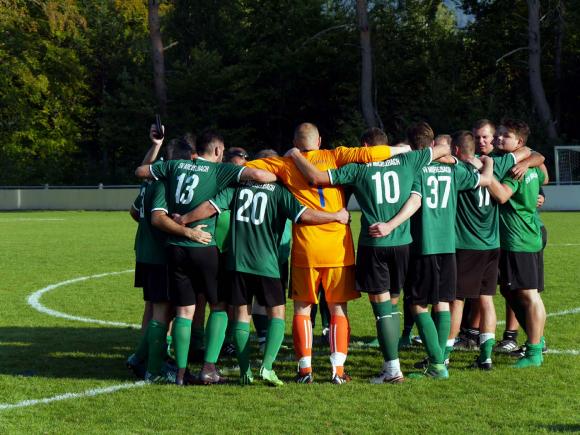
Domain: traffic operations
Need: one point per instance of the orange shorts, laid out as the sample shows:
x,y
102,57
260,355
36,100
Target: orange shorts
x,y
338,284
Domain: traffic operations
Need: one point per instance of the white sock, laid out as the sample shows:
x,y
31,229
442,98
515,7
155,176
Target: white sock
x,y
392,368
305,362
450,342
484,336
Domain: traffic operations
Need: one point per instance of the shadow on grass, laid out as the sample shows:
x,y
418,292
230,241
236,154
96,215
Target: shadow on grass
x,y
82,353
560,427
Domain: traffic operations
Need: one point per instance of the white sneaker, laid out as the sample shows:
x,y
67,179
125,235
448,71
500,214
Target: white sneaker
x,y
385,378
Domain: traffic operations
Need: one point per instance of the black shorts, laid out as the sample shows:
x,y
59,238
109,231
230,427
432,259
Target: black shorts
x,y
268,291
192,271
139,275
431,279
381,269
155,288
476,272
521,270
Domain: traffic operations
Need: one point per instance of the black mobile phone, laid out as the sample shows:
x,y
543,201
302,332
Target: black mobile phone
x,y
158,127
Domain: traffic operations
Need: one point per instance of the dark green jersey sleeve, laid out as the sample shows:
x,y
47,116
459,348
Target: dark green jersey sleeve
x,y
417,186
502,164
347,175
511,183
290,205
465,178
224,200
418,159
158,197
228,173
160,169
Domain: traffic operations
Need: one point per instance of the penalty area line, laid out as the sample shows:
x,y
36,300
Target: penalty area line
x,y
88,393
34,301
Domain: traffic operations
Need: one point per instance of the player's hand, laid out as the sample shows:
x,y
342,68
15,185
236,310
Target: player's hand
x,y
477,163
198,235
540,201
292,152
519,170
380,229
343,216
177,218
157,142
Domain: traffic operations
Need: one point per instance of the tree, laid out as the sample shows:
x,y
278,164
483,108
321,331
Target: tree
x,y
535,72
370,114
157,56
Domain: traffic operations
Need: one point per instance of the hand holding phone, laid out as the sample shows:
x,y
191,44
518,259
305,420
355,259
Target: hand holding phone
x,y
159,133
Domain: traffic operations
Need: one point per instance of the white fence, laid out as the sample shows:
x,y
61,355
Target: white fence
x,y
563,197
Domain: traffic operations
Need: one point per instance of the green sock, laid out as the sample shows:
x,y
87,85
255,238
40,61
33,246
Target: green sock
x,y
486,349
181,337
261,325
143,346
274,340
442,321
428,333
391,351
383,322
532,358
229,338
214,337
241,333
197,337
157,349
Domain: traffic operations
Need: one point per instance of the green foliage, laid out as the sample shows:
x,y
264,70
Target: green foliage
x,y
76,76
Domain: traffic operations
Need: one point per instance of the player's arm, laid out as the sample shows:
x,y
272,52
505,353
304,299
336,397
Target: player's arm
x,y
144,172
153,151
257,175
315,217
501,192
486,172
160,220
534,160
310,172
441,151
545,172
522,154
383,229
203,211
134,213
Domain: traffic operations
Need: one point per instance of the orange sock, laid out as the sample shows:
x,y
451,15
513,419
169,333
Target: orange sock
x,y
302,336
339,337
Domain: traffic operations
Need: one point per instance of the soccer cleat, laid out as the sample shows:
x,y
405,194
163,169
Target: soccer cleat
x,y
228,350
487,365
466,341
139,368
304,379
518,352
533,357
247,378
344,379
416,340
437,371
373,343
404,341
384,378
270,377
156,379
210,376
423,364
506,346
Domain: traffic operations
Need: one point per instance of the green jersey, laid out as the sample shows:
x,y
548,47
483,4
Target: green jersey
x,y
518,225
477,224
149,241
190,183
222,231
433,226
258,217
381,189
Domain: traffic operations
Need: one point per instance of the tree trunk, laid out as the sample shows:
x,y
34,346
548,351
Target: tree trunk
x,y
366,79
558,64
157,56
535,73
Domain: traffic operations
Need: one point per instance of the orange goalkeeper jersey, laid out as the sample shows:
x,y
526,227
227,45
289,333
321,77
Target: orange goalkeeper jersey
x,y
328,245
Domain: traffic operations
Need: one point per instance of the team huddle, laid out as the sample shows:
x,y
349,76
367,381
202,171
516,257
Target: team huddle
x,y
442,230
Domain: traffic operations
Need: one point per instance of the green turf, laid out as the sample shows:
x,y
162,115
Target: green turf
x,y
43,356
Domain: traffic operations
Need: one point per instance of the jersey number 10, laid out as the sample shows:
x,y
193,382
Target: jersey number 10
x,y
390,181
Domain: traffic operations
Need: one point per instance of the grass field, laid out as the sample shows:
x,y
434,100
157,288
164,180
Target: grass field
x,y
43,357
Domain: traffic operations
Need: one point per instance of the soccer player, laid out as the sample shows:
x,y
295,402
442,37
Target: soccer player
x,y
259,214
431,279
477,249
322,254
193,267
383,191
521,267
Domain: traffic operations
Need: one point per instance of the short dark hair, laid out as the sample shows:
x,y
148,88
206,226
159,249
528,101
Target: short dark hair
x,y
206,139
517,127
463,139
420,135
374,136
180,148
480,123
235,152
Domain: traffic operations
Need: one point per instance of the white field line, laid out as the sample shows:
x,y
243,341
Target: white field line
x,y
557,313
67,396
34,301
563,244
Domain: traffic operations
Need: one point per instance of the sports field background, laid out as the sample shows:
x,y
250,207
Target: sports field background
x,y
42,356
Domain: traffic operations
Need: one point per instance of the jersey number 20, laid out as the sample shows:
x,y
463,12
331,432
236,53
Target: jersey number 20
x,y
257,202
